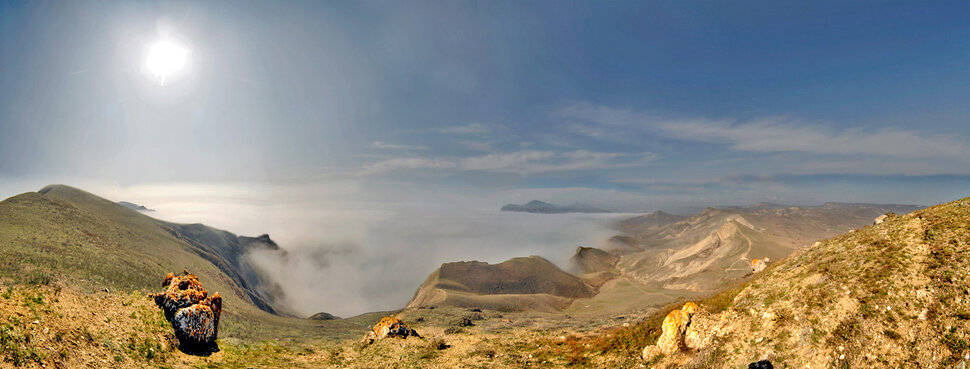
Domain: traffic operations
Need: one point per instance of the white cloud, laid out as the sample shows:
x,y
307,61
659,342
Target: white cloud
x,y
468,129
408,163
389,146
771,134
521,162
785,135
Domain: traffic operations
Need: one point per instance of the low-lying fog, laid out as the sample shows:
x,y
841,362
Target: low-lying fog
x,y
348,253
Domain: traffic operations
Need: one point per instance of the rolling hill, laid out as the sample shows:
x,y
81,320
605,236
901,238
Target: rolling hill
x,y
70,238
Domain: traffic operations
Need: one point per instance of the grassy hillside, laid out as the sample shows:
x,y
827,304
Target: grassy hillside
x,y
886,296
65,237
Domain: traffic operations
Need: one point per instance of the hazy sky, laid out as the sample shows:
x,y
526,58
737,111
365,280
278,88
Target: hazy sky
x,y
446,106
720,102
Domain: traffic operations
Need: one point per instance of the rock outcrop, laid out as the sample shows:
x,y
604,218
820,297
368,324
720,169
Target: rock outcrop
x,y
194,314
757,265
676,326
389,327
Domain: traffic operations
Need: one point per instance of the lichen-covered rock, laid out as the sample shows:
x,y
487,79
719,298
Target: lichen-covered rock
x,y
675,327
193,313
757,265
389,327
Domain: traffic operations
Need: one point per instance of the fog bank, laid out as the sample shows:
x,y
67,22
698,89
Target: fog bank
x,y
350,252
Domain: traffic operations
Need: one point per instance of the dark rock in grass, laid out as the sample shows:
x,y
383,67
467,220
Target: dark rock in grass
x,y
453,330
763,364
194,314
464,322
439,344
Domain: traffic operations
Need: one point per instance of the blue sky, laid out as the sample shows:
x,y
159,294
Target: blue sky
x,y
627,105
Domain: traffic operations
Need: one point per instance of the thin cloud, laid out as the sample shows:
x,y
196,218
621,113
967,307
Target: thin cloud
x,y
389,146
771,134
468,129
520,162
783,135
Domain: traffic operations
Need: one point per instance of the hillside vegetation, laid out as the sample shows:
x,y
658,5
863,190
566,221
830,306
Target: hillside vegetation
x,y
76,272
65,237
894,295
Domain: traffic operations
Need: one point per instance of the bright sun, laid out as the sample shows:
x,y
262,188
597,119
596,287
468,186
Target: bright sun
x,y
165,59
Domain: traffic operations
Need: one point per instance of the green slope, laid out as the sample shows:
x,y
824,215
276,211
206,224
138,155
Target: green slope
x,y
65,236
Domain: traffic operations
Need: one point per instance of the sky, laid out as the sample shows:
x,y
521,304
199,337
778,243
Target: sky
x,y
357,110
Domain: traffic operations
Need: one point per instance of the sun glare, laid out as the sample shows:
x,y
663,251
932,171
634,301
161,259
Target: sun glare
x,y
165,59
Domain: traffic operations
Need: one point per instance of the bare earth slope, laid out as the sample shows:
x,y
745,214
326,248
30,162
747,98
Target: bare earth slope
x,y
707,250
892,295
531,283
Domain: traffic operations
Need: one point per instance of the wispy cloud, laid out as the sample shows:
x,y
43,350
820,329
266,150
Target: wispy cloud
x,y
521,162
389,146
770,134
786,135
468,129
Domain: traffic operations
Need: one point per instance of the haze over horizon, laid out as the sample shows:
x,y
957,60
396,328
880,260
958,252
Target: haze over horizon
x,y
381,126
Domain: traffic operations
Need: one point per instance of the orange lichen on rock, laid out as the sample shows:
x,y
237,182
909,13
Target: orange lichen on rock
x,y
757,265
389,327
193,313
674,327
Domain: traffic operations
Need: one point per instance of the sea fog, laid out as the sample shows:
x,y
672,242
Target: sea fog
x,y
348,253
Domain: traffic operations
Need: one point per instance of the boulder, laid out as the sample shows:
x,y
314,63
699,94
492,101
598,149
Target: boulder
x,y
194,314
389,327
763,364
675,327
757,265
